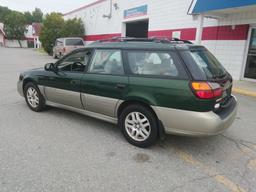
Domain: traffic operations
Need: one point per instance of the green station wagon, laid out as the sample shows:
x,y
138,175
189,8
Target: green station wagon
x,y
148,87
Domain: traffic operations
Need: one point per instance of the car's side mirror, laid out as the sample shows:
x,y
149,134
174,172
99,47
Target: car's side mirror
x,y
50,67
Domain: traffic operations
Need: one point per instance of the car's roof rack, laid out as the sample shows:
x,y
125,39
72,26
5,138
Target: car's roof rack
x,y
150,39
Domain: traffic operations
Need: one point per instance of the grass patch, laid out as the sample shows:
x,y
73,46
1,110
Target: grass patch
x,y
41,50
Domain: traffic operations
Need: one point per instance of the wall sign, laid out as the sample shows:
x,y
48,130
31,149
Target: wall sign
x,y
136,12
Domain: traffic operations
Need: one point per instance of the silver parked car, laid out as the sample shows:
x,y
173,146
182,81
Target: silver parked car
x,y
65,45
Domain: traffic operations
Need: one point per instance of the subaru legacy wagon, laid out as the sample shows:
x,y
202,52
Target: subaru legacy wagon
x,y
148,87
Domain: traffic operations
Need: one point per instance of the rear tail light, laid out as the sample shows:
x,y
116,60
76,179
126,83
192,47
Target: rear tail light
x,y
64,50
206,90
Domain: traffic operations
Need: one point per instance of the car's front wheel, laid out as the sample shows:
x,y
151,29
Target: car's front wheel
x,y
33,97
139,125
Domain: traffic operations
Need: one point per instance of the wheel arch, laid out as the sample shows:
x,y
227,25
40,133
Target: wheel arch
x,y
126,103
28,80
123,105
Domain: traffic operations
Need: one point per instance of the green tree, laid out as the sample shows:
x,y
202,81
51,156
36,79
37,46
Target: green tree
x,y
73,28
55,27
29,17
51,30
15,26
37,15
4,11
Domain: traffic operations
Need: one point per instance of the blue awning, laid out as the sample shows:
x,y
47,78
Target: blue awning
x,y
203,6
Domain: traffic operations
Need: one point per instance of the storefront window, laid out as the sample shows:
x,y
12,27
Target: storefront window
x,y
250,70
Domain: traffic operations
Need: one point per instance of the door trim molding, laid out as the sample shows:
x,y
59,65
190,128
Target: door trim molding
x,y
84,112
105,105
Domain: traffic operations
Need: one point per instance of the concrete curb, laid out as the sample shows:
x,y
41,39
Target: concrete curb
x,y
244,92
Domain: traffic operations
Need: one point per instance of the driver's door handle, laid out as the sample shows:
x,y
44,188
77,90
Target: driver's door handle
x,y
120,86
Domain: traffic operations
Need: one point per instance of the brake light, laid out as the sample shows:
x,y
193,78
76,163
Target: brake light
x,y
206,90
64,50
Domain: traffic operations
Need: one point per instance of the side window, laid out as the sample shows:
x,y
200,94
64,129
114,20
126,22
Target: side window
x,y
155,63
107,62
75,62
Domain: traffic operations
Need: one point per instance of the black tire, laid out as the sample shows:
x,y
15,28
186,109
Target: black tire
x,y
54,56
41,101
152,119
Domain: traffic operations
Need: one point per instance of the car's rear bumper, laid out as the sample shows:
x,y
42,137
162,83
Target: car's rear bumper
x,y
20,88
193,123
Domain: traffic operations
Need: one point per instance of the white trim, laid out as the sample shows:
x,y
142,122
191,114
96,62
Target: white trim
x,y
248,79
245,54
252,26
131,20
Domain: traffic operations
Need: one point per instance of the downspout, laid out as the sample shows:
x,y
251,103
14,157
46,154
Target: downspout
x,y
199,29
110,11
200,26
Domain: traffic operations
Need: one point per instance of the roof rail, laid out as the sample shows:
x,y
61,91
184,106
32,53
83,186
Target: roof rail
x,y
180,40
156,39
124,39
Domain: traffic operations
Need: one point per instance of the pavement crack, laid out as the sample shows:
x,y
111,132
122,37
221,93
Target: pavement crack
x,y
238,143
191,181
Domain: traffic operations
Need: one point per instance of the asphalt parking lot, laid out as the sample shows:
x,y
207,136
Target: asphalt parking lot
x,y
60,151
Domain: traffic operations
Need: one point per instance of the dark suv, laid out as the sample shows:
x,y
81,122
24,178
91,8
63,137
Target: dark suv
x,y
146,86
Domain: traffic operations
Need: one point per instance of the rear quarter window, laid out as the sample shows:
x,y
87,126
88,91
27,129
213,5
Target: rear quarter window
x,y
203,65
155,63
74,42
59,42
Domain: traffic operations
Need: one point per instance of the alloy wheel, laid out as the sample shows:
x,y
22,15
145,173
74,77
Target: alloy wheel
x,y
32,97
137,126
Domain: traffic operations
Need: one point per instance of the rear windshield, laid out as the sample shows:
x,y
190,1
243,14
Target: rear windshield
x,y
71,42
204,65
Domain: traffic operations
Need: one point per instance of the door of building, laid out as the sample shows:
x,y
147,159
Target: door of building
x,y
250,68
138,29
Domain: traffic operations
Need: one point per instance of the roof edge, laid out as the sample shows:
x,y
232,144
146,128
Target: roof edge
x,y
84,7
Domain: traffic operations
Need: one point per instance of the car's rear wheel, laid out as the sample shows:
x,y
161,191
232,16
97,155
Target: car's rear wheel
x,y
139,125
33,97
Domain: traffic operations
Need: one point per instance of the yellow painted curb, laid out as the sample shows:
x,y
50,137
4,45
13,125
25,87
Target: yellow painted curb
x,y
244,92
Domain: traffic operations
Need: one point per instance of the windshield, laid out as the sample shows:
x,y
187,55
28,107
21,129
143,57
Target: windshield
x,y
74,42
209,66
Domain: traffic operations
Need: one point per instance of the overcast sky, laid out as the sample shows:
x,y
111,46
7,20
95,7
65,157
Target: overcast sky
x,y
46,6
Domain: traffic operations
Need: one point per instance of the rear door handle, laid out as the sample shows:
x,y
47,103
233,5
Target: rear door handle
x,y
120,86
74,82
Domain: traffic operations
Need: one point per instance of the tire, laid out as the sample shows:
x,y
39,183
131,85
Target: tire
x,y
33,97
139,126
54,56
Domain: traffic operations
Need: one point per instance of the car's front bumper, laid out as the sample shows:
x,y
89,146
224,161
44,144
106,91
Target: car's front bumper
x,y
20,88
193,123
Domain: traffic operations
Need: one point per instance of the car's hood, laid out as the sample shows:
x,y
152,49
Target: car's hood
x,y
35,71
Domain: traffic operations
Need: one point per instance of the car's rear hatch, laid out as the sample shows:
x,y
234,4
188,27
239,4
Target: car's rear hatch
x,y
73,43
204,67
